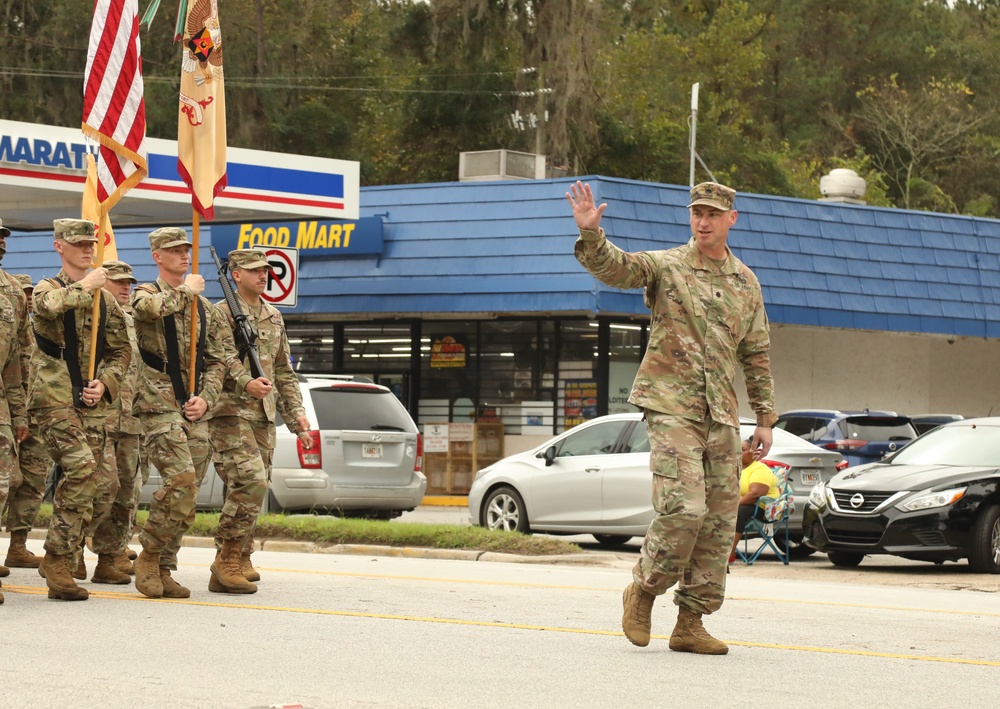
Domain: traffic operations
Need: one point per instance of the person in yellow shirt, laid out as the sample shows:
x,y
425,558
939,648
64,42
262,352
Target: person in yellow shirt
x,y
756,481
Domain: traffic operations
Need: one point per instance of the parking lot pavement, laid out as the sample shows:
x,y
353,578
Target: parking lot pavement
x,y
330,630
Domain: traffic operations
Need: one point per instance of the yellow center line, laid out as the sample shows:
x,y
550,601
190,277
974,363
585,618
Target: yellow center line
x,y
38,591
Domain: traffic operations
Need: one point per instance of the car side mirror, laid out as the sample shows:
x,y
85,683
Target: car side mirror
x,y
550,455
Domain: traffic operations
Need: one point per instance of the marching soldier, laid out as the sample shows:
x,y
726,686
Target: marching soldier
x,y
242,424
13,424
111,536
33,460
175,432
71,412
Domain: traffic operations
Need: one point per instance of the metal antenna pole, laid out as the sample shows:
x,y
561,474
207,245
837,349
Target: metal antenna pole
x,y
694,129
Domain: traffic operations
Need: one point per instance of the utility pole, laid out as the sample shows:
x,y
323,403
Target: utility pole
x,y
694,129
540,113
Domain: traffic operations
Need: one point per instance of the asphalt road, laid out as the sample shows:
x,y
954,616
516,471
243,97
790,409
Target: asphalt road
x,y
331,630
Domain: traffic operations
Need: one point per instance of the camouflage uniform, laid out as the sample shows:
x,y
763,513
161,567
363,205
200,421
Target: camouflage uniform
x,y
706,316
242,426
12,412
180,449
32,456
76,437
113,533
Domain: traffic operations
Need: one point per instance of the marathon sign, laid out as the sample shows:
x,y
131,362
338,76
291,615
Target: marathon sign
x,y
316,239
42,164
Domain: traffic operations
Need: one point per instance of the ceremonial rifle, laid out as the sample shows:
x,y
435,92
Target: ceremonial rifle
x,y
243,331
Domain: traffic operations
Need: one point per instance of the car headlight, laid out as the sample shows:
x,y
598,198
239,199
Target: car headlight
x,y
817,496
930,500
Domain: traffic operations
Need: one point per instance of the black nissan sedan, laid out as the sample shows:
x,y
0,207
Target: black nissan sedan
x,y
937,499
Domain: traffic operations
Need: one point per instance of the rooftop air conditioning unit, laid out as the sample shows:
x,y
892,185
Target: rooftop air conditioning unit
x,y
844,186
483,165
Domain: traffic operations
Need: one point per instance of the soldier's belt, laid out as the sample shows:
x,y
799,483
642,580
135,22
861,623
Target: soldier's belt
x,y
50,348
154,362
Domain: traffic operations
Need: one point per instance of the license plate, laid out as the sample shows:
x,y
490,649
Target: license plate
x,y
371,450
810,477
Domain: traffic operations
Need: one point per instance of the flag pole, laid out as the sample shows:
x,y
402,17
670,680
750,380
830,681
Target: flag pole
x,y
192,358
95,316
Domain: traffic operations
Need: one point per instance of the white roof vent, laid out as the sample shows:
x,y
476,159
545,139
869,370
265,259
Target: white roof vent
x,y
842,185
482,165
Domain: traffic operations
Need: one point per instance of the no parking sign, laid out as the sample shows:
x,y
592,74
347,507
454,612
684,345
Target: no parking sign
x,y
283,282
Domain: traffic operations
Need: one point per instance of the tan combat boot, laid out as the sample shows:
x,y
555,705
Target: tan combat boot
x,y
58,578
107,572
249,572
226,570
123,563
18,555
172,589
147,575
636,620
4,571
690,635
1,595
78,565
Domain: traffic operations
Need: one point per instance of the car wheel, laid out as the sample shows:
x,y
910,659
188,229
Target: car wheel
x,y
504,510
612,539
984,556
846,559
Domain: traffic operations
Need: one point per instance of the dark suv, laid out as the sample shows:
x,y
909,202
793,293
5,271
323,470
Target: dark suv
x,y
860,436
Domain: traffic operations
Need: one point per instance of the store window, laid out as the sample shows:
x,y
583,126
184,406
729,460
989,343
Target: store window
x,y
448,369
576,396
515,356
312,347
627,345
381,352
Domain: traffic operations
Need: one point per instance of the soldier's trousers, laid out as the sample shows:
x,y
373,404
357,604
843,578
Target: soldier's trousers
x,y
243,454
25,499
82,448
180,450
695,467
8,462
112,534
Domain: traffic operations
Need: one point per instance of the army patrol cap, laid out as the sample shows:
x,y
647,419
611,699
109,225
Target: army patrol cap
x,y
713,194
119,271
25,280
74,231
4,231
166,237
249,259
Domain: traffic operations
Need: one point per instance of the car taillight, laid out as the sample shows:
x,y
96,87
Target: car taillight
x,y
310,457
848,445
842,465
418,464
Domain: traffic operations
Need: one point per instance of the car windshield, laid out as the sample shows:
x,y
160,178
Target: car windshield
x,y
971,445
359,409
871,429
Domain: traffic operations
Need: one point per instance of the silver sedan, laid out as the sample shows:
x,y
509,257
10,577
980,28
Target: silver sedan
x,y
595,479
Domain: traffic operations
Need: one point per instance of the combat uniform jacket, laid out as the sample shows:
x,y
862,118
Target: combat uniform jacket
x,y
14,292
12,412
123,419
155,393
50,386
705,317
275,359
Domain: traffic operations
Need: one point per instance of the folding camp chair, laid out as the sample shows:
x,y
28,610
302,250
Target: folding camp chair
x,y
770,523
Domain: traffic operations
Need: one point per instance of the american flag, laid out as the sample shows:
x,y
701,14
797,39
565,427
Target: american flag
x,y
114,110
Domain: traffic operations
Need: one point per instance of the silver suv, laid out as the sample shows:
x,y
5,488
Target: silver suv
x,y
366,459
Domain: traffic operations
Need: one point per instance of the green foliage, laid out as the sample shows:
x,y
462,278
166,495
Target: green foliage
x,y
787,89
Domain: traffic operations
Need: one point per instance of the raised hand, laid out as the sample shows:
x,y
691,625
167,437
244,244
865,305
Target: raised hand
x,y
585,212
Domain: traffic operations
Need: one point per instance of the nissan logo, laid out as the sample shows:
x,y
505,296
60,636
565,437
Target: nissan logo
x,y
857,500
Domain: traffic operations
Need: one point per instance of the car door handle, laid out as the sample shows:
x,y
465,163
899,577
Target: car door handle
x,y
592,470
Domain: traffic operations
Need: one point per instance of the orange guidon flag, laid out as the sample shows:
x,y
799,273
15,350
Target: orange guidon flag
x,y
91,210
201,125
